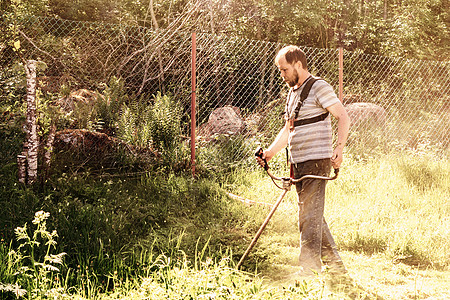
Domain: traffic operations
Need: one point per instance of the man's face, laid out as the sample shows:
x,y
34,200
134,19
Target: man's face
x,y
288,72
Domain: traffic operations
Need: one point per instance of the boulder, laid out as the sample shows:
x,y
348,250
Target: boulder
x,y
366,112
223,120
84,96
96,150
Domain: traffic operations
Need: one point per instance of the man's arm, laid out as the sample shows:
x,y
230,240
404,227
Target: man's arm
x,y
338,111
279,143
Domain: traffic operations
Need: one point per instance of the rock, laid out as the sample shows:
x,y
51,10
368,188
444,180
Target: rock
x,y
252,123
84,96
223,120
96,150
363,112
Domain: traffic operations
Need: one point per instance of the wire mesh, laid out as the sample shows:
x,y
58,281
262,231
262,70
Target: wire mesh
x,y
395,104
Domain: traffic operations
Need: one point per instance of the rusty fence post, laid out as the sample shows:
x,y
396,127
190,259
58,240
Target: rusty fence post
x,y
193,100
341,74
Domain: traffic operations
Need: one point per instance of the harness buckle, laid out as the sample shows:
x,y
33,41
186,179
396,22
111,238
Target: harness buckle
x,y
291,125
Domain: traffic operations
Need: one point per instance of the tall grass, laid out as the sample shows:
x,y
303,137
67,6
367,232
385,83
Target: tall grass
x,y
395,205
157,276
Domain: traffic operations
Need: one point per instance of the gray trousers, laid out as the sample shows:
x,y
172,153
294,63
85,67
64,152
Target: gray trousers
x,y
317,245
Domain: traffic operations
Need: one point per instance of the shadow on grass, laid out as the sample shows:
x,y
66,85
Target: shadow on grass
x,y
345,287
333,286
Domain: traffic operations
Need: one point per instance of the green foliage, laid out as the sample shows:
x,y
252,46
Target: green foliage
x,y
393,205
225,153
176,279
101,113
166,122
109,104
134,124
32,269
156,124
424,175
12,85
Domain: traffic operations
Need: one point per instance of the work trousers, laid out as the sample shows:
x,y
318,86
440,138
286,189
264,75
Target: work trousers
x,y
316,242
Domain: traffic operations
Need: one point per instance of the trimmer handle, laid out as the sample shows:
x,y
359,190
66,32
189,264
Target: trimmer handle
x,y
259,153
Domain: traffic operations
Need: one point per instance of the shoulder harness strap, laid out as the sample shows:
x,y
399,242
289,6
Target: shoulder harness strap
x,y
304,94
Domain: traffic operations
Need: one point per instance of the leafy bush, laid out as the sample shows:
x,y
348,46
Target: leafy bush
x,y
101,113
166,123
108,105
13,87
155,124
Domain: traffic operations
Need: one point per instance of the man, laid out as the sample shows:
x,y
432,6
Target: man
x,y
310,145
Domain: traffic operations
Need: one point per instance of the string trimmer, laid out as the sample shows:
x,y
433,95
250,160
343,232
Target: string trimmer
x,y
286,183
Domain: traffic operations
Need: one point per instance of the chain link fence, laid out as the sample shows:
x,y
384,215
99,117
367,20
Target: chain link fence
x,y
395,104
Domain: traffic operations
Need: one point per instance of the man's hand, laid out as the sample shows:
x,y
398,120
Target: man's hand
x,y
337,157
266,156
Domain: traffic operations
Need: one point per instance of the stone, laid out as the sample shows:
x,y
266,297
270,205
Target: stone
x,y
366,112
223,120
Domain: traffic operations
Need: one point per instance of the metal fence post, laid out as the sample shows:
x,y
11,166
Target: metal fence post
x,y
341,74
193,106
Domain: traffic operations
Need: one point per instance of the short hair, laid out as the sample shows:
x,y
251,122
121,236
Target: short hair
x,y
292,54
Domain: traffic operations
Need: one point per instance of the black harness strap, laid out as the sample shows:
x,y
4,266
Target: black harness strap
x,y
311,120
304,94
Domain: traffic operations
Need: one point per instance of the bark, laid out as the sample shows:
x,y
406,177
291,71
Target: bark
x,y
385,15
31,126
22,167
160,61
49,148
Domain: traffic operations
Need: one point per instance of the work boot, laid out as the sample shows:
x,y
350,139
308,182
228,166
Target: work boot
x,y
335,267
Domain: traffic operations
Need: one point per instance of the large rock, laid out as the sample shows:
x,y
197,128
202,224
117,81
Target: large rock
x,y
366,112
96,150
86,97
223,120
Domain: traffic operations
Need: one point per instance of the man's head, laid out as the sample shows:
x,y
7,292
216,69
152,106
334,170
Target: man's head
x,y
291,61
292,54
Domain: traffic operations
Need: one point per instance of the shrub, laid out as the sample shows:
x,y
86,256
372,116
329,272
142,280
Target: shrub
x,y
155,124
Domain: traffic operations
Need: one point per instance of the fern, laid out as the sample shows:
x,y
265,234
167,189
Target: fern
x,y
156,124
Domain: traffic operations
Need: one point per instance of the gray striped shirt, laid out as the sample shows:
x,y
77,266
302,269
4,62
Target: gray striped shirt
x,y
311,141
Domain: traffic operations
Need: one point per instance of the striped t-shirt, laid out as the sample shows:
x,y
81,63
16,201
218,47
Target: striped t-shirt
x,y
311,141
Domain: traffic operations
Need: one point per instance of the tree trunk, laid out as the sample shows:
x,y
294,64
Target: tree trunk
x,y
22,166
160,60
31,126
385,16
49,149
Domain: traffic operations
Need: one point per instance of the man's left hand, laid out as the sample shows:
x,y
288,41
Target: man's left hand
x,y
337,157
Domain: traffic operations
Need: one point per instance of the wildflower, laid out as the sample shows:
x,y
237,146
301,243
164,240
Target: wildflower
x,y
15,289
21,233
40,216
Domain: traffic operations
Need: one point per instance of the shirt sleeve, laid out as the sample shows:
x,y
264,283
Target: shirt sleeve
x,y
325,94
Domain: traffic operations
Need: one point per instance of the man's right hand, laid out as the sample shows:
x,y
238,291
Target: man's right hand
x,y
266,156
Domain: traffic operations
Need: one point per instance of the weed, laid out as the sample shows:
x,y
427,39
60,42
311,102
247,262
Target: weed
x,y
32,269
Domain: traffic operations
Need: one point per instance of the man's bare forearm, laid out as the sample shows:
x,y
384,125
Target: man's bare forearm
x,y
279,143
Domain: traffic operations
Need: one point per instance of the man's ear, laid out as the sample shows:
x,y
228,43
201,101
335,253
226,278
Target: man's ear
x,y
298,64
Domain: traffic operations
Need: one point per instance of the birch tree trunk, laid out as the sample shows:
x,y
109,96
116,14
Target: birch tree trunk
x,y
31,127
22,167
49,149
